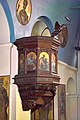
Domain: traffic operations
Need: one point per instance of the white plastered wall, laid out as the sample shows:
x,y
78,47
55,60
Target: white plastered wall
x,y
6,68
13,72
68,74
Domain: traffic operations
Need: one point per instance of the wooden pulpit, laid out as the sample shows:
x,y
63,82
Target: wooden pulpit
x,y
37,76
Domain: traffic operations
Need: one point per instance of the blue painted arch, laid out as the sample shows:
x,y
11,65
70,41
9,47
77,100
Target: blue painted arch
x,y
9,19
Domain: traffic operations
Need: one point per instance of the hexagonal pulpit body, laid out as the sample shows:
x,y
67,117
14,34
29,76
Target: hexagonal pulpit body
x,y
37,70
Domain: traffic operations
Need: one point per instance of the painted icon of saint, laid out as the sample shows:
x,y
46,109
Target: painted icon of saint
x,y
44,61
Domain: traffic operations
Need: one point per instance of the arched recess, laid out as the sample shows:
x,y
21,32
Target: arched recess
x,y
71,100
42,27
6,21
71,86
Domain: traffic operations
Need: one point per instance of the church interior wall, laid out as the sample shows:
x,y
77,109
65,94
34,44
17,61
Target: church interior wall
x,y
71,111
5,59
65,71
56,106
20,114
9,66
69,78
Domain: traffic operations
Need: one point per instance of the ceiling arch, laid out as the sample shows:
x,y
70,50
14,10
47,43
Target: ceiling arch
x,y
9,19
